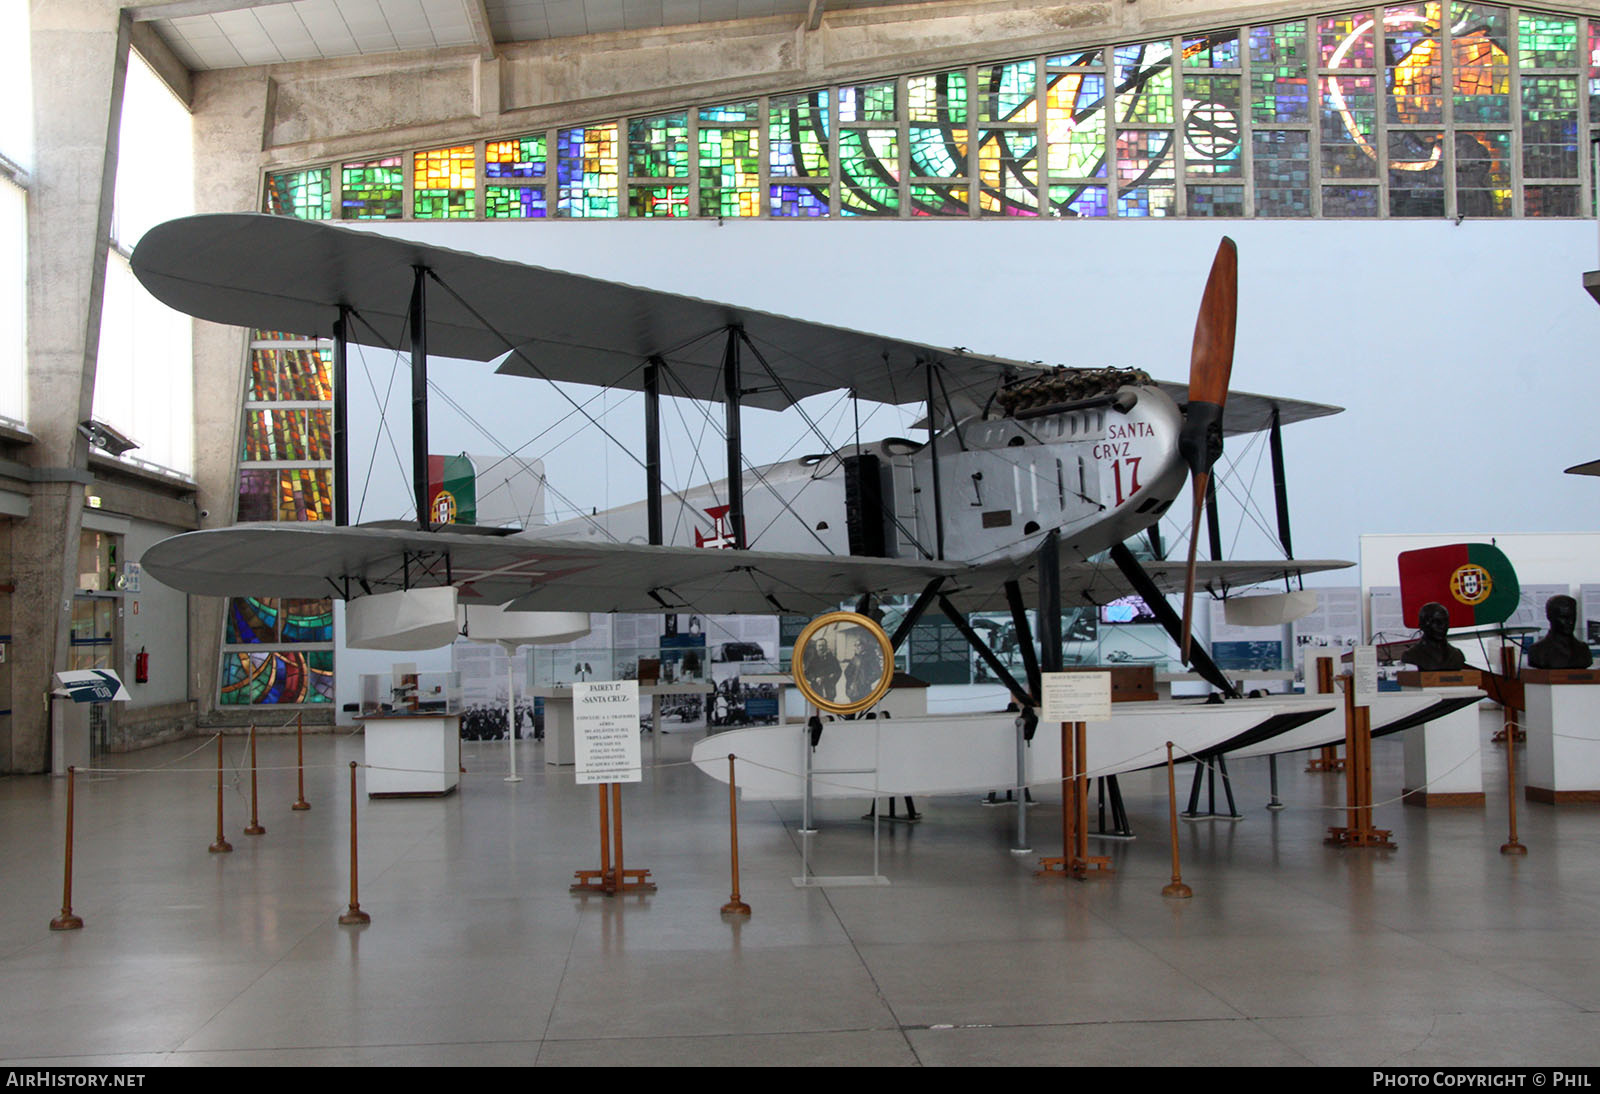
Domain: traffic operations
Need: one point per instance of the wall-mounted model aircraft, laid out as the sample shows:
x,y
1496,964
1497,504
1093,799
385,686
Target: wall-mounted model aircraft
x,y
1027,474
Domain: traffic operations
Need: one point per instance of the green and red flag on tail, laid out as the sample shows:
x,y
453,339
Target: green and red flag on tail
x,y
452,490
1475,581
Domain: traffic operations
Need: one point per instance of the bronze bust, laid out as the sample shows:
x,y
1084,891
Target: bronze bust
x,y
1560,648
1432,653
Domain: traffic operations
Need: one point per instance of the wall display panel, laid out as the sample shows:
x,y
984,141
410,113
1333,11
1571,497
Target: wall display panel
x,y
374,190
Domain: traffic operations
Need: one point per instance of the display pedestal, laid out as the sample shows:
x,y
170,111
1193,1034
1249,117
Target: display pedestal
x,y
1563,727
1444,765
412,755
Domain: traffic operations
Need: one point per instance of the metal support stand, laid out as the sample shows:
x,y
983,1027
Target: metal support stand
x,y
1208,770
1274,803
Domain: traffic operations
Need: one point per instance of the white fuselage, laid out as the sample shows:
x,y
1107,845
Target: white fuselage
x,y
1098,473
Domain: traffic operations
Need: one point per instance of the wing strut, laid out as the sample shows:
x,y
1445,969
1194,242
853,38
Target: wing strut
x,y
419,394
652,446
341,418
1019,622
1280,485
1157,601
924,598
933,449
976,641
730,388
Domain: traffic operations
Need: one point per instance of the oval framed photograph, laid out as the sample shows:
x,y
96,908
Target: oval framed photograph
x,y
843,662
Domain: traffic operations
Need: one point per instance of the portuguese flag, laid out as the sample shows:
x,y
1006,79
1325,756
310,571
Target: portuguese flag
x,y
1474,580
452,490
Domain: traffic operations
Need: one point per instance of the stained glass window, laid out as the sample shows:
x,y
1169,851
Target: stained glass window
x,y
798,135
445,182
260,679
1416,173
730,160
374,190
868,102
1547,41
1144,83
1282,172
1483,173
515,170
1550,126
658,147
1211,130
306,194
1349,105
1414,60
586,172
1219,49
1482,82
1075,124
1008,93
1278,59
1007,172
1144,174
869,163
1079,201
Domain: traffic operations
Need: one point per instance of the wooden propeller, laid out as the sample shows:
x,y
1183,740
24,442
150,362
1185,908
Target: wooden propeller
x,y
1210,367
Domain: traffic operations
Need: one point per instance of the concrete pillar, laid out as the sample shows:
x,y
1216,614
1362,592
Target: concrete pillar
x,y
230,116
80,53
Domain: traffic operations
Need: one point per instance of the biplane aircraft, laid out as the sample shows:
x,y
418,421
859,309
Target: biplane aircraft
x,y
1027,476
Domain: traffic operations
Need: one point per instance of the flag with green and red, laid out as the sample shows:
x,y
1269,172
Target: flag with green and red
x,y
1474,581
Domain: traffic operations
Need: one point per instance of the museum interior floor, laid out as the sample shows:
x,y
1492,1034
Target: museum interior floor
x,y
1439,952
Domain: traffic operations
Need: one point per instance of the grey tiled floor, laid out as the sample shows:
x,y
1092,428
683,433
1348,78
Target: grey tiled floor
x,y
1441,952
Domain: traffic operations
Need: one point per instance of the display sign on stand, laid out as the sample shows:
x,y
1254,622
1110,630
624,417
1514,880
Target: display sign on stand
x,y
605,724
1074,699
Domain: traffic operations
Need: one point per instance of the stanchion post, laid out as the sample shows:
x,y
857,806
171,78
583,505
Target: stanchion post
x,y
353,915
254,828
300,803
221,846
1508,666
1177,889
735,906
66,921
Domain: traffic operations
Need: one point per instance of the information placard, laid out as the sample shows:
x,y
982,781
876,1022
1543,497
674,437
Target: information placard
x,y
1364,674
1076,697
605,728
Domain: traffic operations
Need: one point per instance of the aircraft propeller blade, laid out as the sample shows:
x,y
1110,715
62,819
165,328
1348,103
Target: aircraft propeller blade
x,y
1210,369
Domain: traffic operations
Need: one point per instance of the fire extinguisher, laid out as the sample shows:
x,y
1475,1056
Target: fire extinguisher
x,y
141,667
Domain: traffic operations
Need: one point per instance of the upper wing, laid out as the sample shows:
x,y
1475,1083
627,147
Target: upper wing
x,y
563,575
279,273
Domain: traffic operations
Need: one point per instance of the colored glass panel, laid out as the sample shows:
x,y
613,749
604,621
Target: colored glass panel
x,y
658,201
1550,201
1211,130
934,200
308,620
1219,49
1075,125
798,201
302,435
1079,201
1144,83
305,494
289,375
1008,173
1279,56
1216,201
1349,201
1144,173
1416,174
940,99
1346,41
749,111
1547,41
659,148
1550,126
1482,66
938,152
1008,93
875,102
1414,65
251,621
869,168
444,182
1483,174
1349,115
514,202
797,130
1082,58
258,495
374,190
1282,164
1594,70
515,158
586,172
262,679
730,171
305,194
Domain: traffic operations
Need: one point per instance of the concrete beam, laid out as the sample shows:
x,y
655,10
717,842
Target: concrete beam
x,y
482,32
183,9
164,63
